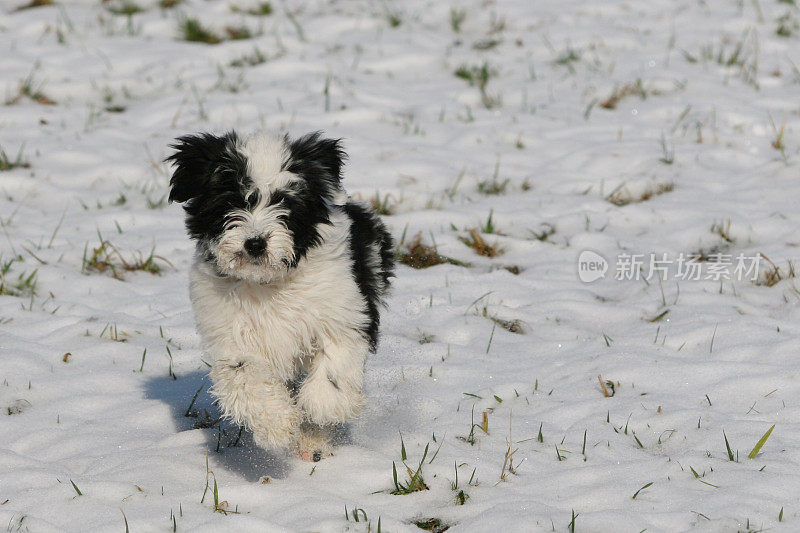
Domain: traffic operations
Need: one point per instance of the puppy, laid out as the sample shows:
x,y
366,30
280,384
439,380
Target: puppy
x,y
287,283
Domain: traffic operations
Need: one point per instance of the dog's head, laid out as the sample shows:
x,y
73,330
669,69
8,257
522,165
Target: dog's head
x,y
255,206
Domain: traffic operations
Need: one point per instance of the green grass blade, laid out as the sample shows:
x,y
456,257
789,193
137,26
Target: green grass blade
x,y
425,454
728,447
760,443
635,494
74,486
437,450
707,483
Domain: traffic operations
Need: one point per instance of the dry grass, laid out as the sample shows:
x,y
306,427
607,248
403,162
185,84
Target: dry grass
x,y
481,247
30,89
723,229
607,386
236,33
479,76
493,186
256,57
125,7
193,31
261,10
418,255
629,89
546,230
708,255
778,142
385,205
107,258
35,3
6,163
773,274
509,467
512,326
435,525
622,196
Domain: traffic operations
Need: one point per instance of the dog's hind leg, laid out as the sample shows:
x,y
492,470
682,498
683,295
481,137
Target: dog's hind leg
x,y
331,393
250,395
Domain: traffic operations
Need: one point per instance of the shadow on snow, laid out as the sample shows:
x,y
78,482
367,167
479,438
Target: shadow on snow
x,y
193,409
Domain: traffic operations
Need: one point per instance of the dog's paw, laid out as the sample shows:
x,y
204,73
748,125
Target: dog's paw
x,y
324,402
313,444
276,429
314,457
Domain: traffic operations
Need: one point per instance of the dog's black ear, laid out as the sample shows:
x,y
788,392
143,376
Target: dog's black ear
x,y
196,159
313,155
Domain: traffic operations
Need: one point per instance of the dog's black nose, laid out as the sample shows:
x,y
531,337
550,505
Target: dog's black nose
x,y
255,246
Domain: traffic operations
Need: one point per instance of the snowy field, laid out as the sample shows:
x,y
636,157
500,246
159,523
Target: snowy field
x,y
549,128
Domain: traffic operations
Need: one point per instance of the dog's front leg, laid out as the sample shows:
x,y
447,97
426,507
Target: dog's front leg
x,y
331,393
249,393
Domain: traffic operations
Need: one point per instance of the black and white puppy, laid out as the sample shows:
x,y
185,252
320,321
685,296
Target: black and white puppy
x,y
287,281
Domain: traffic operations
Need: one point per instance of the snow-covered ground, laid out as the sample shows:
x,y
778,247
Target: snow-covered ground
x,y
625,128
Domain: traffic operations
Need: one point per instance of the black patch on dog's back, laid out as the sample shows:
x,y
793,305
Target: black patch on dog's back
x,y
370,243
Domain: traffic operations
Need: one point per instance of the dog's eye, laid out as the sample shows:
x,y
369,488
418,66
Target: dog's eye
x,y
277,198
252,199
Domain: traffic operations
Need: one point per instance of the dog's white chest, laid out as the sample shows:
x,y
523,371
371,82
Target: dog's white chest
x,y
276,323
239,321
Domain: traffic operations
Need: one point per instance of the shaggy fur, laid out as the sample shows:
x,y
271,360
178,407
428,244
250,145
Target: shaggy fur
x,y
288,279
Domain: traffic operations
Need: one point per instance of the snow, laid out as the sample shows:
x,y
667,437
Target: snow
x,y
722,359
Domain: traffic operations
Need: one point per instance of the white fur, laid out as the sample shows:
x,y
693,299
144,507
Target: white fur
x,y
260,334
266,154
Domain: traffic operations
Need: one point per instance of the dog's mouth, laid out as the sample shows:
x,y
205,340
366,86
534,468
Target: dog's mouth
x,y
240,262
242,265
245,258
